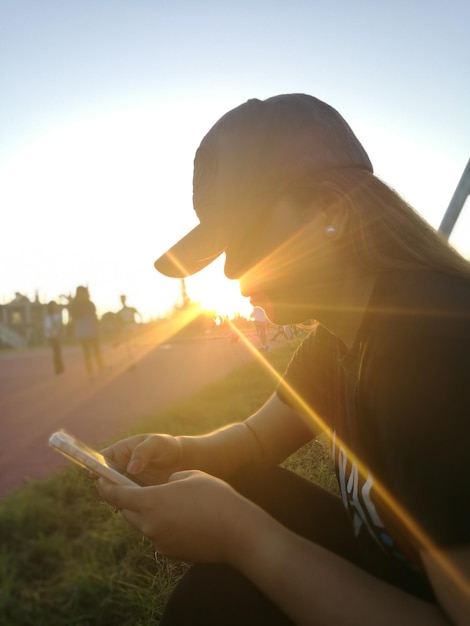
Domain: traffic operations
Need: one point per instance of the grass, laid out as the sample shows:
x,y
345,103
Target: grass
x,y
67,559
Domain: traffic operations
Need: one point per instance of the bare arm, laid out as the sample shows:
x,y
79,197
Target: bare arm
x,y
449,572
314,586
280,430
271,434
198,518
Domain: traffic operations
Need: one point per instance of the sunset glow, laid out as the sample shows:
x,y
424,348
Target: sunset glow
x,y
99,136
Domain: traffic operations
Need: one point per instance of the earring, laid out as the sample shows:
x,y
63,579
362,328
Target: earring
x,y
330,231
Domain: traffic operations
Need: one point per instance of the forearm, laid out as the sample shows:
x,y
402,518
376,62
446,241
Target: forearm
x,y
222,452
314,586
271,434
279,430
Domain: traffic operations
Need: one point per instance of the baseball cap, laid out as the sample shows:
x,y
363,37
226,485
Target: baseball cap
x,y
251,154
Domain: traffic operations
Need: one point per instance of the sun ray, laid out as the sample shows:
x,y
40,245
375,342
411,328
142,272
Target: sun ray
x,y
398,511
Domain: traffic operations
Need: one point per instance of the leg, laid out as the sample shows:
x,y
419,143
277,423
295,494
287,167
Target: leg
x,y
86,348
95,346
216,594
299,504
127,332
261,332
319,515
56,355
211,595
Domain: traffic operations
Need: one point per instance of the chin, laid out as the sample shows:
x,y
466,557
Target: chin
x,y
283,317
259,298
279,313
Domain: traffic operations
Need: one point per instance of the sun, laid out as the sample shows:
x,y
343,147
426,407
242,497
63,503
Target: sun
x,y
214,292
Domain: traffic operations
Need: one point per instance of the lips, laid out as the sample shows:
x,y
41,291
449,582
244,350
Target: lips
x,y
259,298
252,294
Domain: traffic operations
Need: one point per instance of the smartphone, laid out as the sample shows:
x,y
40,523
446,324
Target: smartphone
x,y
88,458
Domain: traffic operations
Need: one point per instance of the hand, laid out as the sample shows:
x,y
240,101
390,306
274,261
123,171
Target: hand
x,y
150,458
193,517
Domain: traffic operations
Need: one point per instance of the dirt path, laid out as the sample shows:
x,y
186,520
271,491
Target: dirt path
x,y
34,402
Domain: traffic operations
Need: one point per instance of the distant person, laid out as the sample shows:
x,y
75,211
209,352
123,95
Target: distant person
x,y
128,319
261,326
83,313
286,191
128,315
285,330
53,333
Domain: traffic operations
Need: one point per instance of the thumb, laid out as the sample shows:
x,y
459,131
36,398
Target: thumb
x,y
183,475
160,450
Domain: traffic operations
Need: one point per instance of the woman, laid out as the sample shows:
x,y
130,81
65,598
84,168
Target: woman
x,y
83,313
286,190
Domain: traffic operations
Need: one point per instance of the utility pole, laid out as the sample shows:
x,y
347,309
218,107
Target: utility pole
x,y
456,203
185,300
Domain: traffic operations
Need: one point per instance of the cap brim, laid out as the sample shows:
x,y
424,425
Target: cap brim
x,y
192,253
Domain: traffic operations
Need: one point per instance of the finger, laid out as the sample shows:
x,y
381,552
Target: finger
x,y
110,452
152,449
113,451
92,476
136,520
183,475
120,497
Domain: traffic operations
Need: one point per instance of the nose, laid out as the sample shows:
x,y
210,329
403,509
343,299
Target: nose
x,y
238,265
232,268
249,280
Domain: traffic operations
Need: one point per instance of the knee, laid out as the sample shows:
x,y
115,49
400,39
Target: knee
x,y
214,594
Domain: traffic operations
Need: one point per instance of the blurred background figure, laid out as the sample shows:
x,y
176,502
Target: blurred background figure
x,y
53,334
261,323
83,313
284,330
128,318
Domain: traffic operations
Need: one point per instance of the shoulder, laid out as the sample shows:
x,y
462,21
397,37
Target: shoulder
x,y
312,368
318,345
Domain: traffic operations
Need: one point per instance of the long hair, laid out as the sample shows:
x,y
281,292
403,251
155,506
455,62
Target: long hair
x,y
385,232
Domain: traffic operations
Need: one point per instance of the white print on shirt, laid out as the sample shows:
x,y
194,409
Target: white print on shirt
x,y
356,493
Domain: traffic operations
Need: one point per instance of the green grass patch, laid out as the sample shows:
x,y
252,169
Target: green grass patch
x,y
67,559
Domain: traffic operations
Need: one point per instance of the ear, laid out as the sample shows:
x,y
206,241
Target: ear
x,y
321,205
335,214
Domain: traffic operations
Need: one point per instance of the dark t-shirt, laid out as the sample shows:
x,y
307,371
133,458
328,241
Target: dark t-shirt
x,y
398,406
81,308
83,313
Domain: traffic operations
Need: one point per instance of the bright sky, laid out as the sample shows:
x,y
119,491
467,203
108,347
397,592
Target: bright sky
x,y
103,105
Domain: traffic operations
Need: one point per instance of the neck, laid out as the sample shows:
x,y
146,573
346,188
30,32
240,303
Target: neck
x,y
344,312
